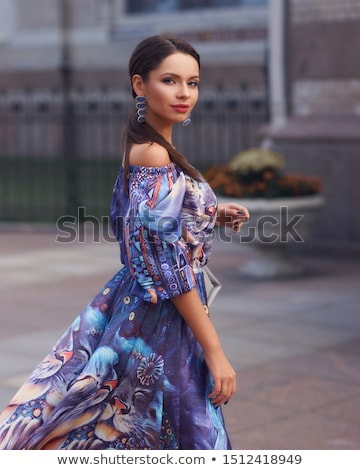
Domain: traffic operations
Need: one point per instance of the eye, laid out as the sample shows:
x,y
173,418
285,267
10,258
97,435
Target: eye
x,y
169,80
193,84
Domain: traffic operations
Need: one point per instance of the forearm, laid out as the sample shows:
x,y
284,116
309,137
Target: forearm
x,y
193,312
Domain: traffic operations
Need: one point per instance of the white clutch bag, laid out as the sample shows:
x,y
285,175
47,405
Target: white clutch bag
x,y
212,285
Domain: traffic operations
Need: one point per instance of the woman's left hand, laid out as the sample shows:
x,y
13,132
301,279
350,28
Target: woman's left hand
x,y
232,215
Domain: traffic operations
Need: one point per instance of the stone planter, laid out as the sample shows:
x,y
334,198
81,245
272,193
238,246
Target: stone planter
x,y
274,224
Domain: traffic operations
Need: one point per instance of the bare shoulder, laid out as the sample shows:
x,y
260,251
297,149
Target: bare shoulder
x,y
149,154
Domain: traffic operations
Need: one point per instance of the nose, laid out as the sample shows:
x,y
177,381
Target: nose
x,y
183,91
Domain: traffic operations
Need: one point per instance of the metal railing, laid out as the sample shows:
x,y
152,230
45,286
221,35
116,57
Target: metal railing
x,y
56,157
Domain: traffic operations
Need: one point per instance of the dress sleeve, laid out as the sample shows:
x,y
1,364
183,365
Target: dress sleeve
x,y
159,258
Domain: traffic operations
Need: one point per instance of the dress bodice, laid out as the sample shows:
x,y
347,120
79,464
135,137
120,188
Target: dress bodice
x,y
165,226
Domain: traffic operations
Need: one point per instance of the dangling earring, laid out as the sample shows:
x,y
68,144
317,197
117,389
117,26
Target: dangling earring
x,y
187,121
141,105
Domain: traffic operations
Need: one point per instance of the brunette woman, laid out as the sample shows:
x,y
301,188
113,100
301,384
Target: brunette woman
x,y
142,366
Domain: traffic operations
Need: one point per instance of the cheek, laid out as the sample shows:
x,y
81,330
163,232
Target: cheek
x,y
158,95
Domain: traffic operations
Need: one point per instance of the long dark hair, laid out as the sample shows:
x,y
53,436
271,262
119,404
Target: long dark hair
x,y
147,56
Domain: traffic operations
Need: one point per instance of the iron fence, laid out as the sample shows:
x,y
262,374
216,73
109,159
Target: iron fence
x,y
57,156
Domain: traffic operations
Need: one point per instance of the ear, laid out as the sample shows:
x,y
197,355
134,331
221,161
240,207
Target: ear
x,y
137,84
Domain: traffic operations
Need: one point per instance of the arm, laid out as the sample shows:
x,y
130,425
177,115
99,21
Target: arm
x,y
188,303
158,257
192,310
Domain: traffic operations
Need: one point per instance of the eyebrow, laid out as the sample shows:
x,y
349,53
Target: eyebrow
x,y
178,76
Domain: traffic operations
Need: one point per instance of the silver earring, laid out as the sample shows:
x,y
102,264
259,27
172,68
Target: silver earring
x,y
141,105
187,121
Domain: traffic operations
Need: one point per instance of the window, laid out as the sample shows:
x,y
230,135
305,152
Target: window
x,y
151,6
158,6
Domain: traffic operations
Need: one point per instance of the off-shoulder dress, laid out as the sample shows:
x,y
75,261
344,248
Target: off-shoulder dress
x,y
128,373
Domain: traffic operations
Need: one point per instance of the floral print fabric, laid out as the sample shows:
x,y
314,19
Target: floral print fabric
x,y
128,373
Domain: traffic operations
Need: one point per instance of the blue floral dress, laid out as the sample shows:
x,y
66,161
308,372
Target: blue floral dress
x,y
128,373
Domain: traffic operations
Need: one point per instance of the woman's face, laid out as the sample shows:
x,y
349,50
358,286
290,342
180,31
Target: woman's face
x,y
171,90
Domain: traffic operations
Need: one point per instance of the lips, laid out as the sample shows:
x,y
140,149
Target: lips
x,y
181,108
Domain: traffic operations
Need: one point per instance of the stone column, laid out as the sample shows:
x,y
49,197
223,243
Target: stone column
x,y
120,8
277,66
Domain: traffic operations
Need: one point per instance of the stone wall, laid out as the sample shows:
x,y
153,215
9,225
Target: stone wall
x,y
324,73
320,131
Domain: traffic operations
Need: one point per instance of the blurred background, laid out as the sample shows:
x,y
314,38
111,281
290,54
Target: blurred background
x,y
281,76
275,73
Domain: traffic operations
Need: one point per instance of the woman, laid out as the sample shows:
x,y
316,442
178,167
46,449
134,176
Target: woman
x,y
142,366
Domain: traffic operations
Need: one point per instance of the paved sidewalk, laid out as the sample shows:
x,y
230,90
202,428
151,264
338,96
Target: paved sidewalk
x,y
295,343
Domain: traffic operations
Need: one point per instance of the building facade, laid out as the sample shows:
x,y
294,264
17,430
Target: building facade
x,y
97,37
315,89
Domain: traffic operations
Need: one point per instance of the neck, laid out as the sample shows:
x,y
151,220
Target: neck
x,y
163,128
